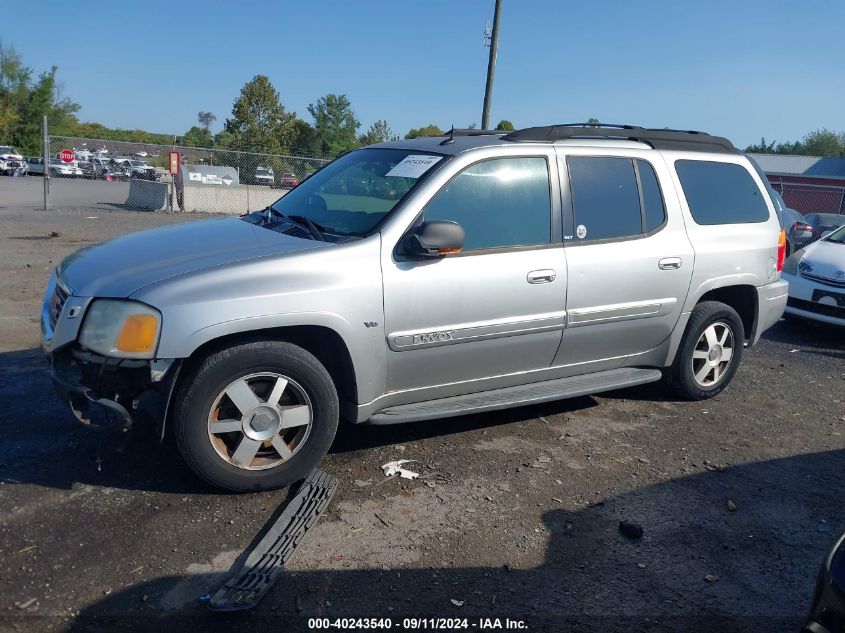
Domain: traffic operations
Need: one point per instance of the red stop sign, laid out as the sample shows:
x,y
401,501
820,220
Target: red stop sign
x,y
67,155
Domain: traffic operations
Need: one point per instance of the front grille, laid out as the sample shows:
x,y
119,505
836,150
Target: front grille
x,y
818,308
827,281
57,302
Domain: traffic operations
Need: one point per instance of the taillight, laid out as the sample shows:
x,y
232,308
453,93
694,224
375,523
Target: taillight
x,y
781,249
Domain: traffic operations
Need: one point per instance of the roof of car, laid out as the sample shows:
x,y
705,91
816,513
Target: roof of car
x,y
458,141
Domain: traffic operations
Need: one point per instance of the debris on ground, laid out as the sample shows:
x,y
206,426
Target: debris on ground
x,y
711,578
731,506
457,603
27,604
630,529
542,461
395,468
266,561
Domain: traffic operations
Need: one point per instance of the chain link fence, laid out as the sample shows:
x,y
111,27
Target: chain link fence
x,y
812,198
135,176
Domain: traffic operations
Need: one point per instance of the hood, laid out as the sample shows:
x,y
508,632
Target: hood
x,y
824,259
11,156
122,266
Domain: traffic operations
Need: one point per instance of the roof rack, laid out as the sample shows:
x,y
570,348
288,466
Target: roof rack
x,y
691,140
467,132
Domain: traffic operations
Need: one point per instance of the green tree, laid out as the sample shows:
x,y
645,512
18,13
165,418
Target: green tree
x,y
505,126
24,102
198,137
259,122
206,119
335,123
428,130
379,132
306,140
824,142
593,121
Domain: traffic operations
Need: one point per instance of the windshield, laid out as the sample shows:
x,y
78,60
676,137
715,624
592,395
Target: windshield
x,y
354,193
837,236
5,149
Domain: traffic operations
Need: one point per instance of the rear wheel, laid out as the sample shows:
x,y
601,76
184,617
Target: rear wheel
x,y
710,352
256,416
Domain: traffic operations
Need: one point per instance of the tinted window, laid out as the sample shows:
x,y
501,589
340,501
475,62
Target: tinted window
x,y
500,202
655,212
721,193
605,199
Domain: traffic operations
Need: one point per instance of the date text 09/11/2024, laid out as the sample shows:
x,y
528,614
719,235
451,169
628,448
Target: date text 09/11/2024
x,y
414,624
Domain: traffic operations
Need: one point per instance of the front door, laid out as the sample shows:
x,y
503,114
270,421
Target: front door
x,y
630,262
497,307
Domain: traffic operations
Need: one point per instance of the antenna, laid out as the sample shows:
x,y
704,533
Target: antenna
x,y
488,35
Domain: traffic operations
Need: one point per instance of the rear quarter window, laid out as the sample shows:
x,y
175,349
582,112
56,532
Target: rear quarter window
x,y
721,193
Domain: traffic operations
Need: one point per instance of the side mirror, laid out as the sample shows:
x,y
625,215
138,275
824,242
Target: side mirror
x,y
434,239
827,614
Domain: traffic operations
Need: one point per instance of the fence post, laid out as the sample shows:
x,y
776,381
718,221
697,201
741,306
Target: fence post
x,y
46,154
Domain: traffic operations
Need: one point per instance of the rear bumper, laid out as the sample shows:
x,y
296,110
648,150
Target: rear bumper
x,y
771,302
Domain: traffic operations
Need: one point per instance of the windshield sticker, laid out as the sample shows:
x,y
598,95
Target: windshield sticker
x,y
581,231
413,166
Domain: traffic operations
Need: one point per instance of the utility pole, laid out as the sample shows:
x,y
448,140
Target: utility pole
x,y
46,153
491,67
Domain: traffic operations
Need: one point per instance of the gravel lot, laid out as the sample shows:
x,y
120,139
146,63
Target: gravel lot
x,y
516,513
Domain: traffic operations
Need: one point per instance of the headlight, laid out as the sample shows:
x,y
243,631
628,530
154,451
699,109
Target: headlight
x,y
126,329
790,266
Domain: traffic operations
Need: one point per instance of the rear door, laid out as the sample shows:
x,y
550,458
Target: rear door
x,y
628,255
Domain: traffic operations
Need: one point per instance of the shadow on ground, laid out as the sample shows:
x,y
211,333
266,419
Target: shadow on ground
x,y
38,427
698,567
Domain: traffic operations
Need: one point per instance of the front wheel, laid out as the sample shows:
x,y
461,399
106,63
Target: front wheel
x,y
256,416
709,353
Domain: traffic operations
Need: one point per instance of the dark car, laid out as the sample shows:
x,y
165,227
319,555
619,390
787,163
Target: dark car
x,y
822,223
798,233
88,170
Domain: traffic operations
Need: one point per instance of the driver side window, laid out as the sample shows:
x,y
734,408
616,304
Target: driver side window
x,y
500,202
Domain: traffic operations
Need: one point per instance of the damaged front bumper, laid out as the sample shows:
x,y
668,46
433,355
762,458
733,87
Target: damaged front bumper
x,y
104,393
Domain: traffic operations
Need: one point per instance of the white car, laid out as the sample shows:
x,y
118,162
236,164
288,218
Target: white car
x,y
10,160
816,276
59,168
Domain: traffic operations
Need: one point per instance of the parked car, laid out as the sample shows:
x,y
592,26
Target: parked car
x,y
60,169
263,176
137,169
288,180
827,614
816,276
798,232
822,223
87,169
35,165
509,269
11,161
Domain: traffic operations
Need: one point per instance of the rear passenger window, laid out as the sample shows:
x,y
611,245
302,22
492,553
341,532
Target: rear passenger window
x,y
604,197
606,201
721,193
653,208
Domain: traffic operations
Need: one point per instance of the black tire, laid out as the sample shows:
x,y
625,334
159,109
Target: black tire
x,y
201,388
680,377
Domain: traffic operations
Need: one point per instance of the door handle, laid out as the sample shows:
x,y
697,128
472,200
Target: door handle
x,y
544,276
670,263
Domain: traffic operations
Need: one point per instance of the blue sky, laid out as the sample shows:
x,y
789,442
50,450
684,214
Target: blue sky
x,y
742,68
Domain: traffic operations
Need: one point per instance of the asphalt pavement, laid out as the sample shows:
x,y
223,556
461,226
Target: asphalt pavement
x,y
515,514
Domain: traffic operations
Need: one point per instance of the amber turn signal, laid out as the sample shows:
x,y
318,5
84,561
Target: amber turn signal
x,y
138,333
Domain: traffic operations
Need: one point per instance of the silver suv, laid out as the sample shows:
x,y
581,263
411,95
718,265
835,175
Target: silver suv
x,y
419,280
